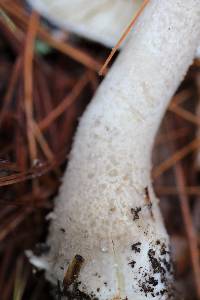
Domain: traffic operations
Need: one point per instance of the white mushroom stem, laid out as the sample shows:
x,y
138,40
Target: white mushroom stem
x,y
106,211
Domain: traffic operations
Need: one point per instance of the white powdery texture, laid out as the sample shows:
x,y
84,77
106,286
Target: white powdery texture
x,y
106,210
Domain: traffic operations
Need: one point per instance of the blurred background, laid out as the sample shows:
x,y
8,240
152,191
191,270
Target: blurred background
x,y
47,78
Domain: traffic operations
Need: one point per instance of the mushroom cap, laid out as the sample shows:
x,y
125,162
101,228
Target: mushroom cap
x,y
102,21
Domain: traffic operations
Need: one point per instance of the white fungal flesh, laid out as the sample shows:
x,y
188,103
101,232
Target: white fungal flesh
x,y
100,20
106,210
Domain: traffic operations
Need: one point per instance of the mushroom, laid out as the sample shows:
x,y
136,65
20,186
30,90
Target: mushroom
x,y
99,20
107,238
102,21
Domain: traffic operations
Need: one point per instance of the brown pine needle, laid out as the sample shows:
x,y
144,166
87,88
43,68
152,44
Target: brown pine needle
x,y
182,96
12,224
174,135
60,92
173,190
28,81
11,88
42,142
189,226
122,38
65,104
73,52
187,115
177,156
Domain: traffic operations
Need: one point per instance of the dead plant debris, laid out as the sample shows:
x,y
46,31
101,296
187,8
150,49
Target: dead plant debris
x,y
45,85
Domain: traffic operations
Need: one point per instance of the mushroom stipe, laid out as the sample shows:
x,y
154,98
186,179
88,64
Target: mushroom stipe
x,y
109,216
